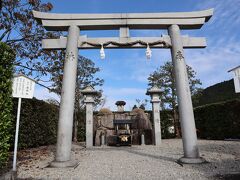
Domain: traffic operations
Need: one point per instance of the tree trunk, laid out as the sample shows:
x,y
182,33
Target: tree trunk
x,y
176,124
75,130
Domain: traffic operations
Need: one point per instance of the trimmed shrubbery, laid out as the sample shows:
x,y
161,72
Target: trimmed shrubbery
x,y
6,72
218,120
166,123
38,123
219,92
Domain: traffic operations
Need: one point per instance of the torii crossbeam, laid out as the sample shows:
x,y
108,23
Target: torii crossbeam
x,y
123,22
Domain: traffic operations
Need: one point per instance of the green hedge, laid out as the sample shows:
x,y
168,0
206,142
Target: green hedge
x,y
6,72
219,120
38,123
166,123
81,135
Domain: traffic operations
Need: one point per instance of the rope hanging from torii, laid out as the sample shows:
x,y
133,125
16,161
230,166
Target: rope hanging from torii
x,y
127,44
147,44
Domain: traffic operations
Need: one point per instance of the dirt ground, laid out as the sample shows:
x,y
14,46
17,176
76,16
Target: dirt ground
x,y
136,162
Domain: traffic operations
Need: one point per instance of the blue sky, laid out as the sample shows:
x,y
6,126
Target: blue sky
x,y
125,71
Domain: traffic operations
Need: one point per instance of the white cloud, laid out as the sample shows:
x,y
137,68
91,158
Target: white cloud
x,y
142,68
129,95
212,65
223,50
44,94
222,53
110,103
223,26
121,92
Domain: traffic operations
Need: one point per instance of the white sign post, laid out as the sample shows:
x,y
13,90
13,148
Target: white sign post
x,y
236,78
23,87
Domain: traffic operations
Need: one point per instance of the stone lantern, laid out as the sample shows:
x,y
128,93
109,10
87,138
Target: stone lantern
x,y
89,93
120,105
155,93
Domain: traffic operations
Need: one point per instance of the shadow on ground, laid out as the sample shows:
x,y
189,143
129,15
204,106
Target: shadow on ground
x,y
221,148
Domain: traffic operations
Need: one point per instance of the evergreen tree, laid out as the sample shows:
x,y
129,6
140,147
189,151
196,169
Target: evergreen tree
x,y
163,78
86,76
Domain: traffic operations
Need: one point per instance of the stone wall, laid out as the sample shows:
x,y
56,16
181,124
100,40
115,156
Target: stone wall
x,y
103,125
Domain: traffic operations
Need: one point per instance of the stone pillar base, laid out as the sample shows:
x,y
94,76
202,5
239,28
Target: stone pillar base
x,y
185,160
63,164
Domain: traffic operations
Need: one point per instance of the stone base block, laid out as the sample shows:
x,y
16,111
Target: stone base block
x,y
63,164
185,160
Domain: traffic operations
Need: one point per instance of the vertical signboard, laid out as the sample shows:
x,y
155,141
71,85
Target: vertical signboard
x,y
236,78
23,87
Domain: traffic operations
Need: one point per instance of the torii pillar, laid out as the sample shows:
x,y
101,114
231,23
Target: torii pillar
x,y
65,123
188,127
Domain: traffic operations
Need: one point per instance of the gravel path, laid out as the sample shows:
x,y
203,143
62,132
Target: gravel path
x,y
136,162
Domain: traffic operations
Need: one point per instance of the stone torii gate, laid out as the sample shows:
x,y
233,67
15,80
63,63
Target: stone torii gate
x,y
173,22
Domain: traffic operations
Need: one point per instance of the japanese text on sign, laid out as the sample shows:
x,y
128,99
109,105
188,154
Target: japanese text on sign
x,y
23,87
